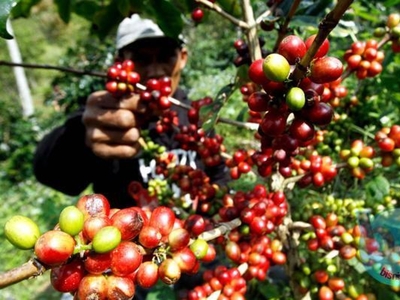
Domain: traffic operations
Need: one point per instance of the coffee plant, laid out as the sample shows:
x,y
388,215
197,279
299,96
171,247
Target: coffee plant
x,y
320,203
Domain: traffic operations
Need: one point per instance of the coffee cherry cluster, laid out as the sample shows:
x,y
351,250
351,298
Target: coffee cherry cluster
x,y
320,279
291,112
243,53
364,58
209,148
359,158
388,140
189,136
392,29
192,136
122,78
334,92
196,191
103,253
259,210
159,187
194,112
330,235
253,257
228,282
167,122
246,91
157,94
195,183
150,150
240,163
316,169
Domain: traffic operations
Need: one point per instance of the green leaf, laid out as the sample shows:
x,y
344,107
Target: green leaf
x,y
243,115
107,18
64,9
231,7
161,291
137,5
366,11
209,113
319,8
390,3
301,21
124,7
385,293
269,289
5,9
23,8
167,16
377,189
86,9
345,29
185,6
242,74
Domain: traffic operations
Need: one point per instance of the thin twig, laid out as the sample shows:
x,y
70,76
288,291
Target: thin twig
x,y
247,125
52,67
384,40
268,12
223,13
283,30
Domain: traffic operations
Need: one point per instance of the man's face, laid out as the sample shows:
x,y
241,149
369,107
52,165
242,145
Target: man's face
x,y
157,57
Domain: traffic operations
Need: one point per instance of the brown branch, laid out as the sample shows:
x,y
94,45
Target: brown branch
x,y
384,40
247,125
32,268
290,240
325,27
300,225
223,13
220,230
52,67
283,30
251,32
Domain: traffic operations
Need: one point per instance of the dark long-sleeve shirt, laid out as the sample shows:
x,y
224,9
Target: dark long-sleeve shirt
x,y
63,161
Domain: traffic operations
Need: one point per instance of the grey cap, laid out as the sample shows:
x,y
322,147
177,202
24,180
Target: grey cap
x,y
135,28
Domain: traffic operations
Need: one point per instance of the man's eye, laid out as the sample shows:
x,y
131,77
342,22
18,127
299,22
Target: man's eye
x,y
142,59
166,57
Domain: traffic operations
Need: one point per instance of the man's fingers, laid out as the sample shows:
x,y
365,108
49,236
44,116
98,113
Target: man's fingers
x,y
106,100
99,117
109,136
116,151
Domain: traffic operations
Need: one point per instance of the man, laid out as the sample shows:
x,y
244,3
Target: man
x,y
99,144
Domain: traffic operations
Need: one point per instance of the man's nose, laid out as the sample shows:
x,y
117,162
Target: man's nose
x,y
155,69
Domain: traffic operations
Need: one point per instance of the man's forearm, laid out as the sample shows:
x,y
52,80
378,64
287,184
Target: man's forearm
x,y
62,161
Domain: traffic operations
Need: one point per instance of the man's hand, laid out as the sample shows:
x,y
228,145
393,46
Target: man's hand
x,y
112,125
